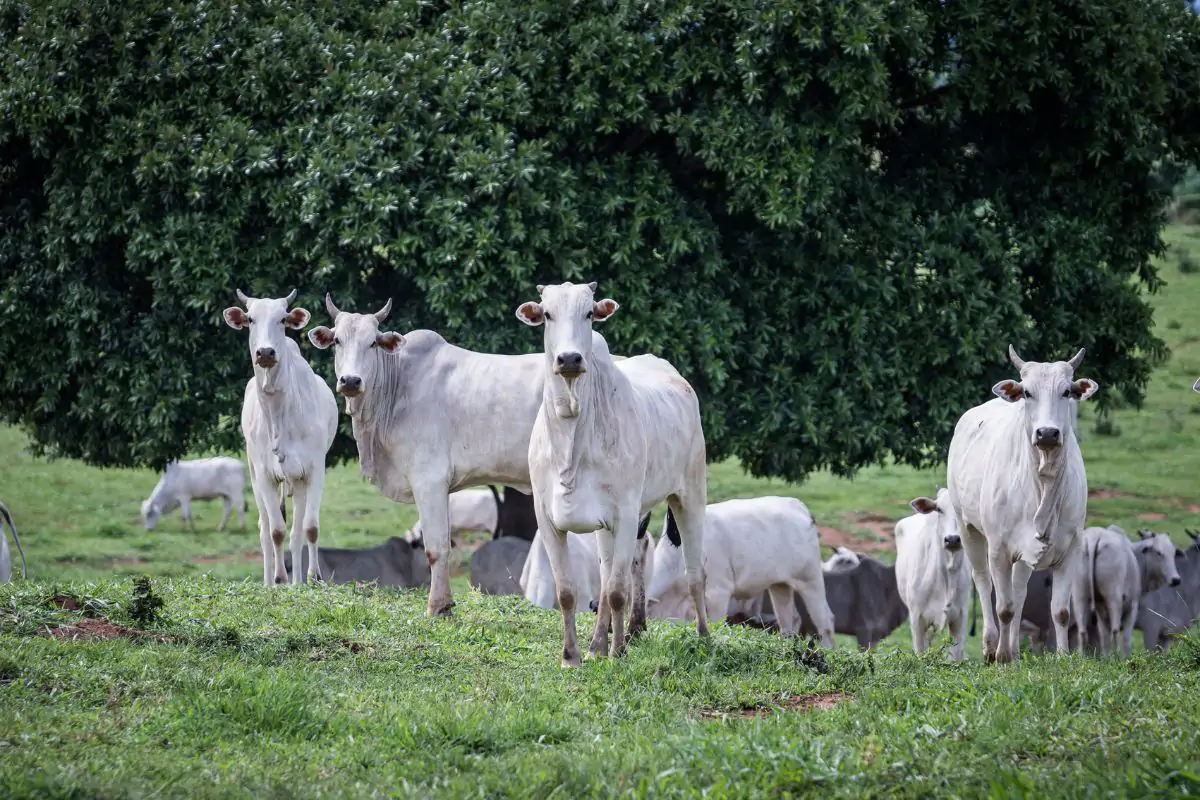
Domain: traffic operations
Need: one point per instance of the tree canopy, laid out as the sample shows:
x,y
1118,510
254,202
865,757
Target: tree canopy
x,y
831,217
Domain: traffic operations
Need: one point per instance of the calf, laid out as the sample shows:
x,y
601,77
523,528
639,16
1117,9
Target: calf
x,y
289,419
932,572
5,553
612,439
865,602
471,511
537,577
752,545
199,479
496,566
1165,612
842,560
393,563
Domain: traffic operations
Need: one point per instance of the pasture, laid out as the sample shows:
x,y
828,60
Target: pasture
x,y
238,690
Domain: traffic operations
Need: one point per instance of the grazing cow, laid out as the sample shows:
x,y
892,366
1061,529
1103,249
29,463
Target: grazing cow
x,y
842,560
612,440
496,566
932,572
1017,481
393,563
751,546
289,419
199,479
537,577
471,511
1116,574
5,553
1166,612
430,418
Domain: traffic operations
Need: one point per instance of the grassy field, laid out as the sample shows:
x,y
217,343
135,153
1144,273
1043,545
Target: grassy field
x,y
341,691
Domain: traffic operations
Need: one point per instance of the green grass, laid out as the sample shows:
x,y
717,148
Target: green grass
x,y
343,691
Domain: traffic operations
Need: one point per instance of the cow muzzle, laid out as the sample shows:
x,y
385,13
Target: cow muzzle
x,y
1047,438
266,357
569,365
1174,581
953,542
349,386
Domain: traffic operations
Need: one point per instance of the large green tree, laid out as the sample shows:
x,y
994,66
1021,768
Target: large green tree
x,y
832,217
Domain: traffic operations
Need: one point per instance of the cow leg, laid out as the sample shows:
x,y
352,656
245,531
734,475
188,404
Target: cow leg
x,y
605,547
619,591
1017,591
812,592
637,612
242,510
1127,627
977,553
1009,616
299,493
225,517
956,621
311,505
689,514
785,610
185,508
555,542
433,506
1069,588
272,528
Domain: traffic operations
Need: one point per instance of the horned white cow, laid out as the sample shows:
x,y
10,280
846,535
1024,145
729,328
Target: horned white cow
x,y
537,577
289,420
1111,584
750,545
471,511
198,479
932,573
612,440
430,418
1017,481
843,560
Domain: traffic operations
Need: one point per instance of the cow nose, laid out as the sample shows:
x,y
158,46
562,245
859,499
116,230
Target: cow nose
x,y
569,362
350,384
265,354
952,542
1174,581
1047,437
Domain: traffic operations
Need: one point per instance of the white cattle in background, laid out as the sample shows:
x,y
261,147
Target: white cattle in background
x,y
1111,584
430,419
750,545
5,553
1017,481
843,560
289,420
471,511
537,578
932,572
198,479
612,440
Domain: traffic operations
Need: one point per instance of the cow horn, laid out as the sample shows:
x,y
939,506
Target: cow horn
x,y
242,298
1145,534
290,298
331,308
1077,359
592,286
382,313
1195,535
1016,360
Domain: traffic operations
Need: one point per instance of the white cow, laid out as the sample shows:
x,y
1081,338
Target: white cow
x,y
471,511
612,440
1017,481
430,418
932,573
843,560
537,578
5,553
750,546
1111,583
199,479
289,420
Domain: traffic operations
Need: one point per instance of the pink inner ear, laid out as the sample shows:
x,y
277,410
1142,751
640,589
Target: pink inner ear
x,y
235,317
531,311
389,341
298,317
604,309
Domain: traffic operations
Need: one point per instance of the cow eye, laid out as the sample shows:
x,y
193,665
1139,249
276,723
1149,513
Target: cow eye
x,y
249,320
589,315
374,344
546,314
336,340
283,321
1028,395
1066,393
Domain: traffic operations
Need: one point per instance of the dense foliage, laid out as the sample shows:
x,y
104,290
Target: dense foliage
x,y
832,217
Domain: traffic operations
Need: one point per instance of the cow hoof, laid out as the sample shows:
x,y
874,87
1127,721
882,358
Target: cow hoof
x,y
571,663
444,612
279,581
595,655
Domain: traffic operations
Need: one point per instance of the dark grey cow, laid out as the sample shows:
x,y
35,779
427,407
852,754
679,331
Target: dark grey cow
x,y
865,602
393,563
496,566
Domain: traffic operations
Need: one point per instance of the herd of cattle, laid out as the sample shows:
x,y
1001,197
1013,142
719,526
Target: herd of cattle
x,y
599,440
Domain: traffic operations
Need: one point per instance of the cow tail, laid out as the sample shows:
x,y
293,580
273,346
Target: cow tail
x,y
974,607
643,526
499,503
16,538
672,529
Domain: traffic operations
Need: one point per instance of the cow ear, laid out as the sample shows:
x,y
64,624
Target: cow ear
x,y
236,318
604,309
1009,390
1196,385
321,337
531,314
389,342
924,505
297,318
1084,388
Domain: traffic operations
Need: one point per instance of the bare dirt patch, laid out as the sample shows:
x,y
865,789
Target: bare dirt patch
x,y
801,705
1152,516
881,527
127,561
102,629
245,555
1109,494
1191,508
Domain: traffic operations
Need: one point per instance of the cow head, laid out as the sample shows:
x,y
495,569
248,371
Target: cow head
x,y
843,560
941,513
359,343
267,318
1047,389
1160,553
568,311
